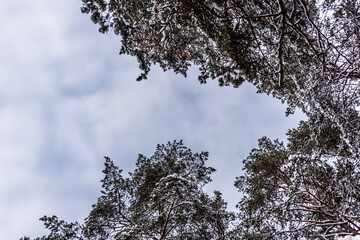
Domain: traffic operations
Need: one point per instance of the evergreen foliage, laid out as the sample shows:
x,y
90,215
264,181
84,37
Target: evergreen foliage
x,y
294,191
162,199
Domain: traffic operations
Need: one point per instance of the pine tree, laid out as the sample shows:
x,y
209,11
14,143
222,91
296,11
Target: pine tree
x,y
297,191
161,199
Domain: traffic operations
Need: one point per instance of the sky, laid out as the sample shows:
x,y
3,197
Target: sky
x,y
67,98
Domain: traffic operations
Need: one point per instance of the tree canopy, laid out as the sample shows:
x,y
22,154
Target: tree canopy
x,y
161,199
304,52
291,192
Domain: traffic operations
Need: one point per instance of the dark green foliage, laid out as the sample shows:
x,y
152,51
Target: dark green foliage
x,y
162,199
306,189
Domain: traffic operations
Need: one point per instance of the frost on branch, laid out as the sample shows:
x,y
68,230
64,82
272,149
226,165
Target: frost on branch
x,y
306,189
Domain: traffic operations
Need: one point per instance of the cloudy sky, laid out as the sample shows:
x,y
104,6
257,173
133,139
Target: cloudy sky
x,y
67,99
